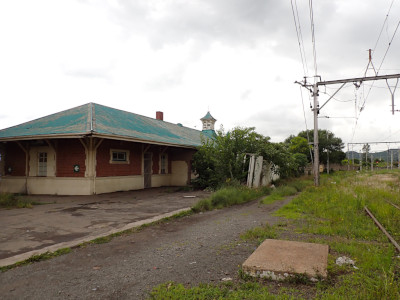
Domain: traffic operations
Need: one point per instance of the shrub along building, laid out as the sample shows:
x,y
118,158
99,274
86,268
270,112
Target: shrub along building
x,y
94,149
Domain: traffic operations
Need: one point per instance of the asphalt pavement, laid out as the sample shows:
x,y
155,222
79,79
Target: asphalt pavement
x,y
66,221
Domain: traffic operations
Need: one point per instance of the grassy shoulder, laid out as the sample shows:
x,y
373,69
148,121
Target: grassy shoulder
x,y
249,290
334,214
287,188
331,214
9,201
228,196
37,258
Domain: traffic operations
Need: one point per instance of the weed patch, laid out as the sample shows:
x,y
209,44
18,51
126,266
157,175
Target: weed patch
x,y
36,258
334,212
259,234
206,291
285,189
8,200
228,196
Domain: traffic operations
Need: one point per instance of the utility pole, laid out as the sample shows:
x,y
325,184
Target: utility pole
x,y
391,160
387,160
372,162
313,88
316,142
327,154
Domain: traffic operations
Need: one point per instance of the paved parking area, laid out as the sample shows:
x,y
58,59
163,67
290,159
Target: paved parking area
x,y
67,220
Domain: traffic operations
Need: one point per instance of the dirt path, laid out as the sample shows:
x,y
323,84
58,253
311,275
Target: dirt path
x,y
200,248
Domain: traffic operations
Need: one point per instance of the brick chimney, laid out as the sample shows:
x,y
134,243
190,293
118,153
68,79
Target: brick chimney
x,y
160,115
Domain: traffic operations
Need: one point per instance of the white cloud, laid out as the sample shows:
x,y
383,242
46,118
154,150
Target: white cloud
x,y
237,58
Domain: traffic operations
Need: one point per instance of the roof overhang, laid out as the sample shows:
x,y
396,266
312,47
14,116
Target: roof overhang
x,y
94,135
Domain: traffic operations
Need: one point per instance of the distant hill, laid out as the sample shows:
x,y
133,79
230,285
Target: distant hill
x,y
385,155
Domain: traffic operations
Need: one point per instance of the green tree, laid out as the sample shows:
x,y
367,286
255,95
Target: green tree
x,y
298,144
224,157
327,142
301,162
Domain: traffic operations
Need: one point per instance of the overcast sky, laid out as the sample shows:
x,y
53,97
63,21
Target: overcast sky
x,y
237,58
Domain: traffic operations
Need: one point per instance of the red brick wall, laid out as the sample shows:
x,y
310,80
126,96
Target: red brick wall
x,y
104,168
70,152
14,158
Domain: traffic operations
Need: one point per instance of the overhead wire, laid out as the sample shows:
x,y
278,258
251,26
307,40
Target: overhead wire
x,y
390,43
336,99
387,50
383,26
303,58
310,4
299,37
380,66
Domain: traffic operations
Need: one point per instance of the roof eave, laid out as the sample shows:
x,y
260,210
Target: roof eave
x,y
93,134
137,140
44,136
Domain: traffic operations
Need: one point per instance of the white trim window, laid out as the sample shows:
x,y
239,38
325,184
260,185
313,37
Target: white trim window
x,y
164,164
42,164
118,156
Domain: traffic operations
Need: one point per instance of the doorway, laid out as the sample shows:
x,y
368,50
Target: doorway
x,y
147,165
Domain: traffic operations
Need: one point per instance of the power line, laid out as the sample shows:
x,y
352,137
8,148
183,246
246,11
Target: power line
x,y
383,59
390,43
387,49
383,25
390,135
313,37
380,66
299,39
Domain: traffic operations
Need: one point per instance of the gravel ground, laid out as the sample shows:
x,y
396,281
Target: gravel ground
x,y
202,248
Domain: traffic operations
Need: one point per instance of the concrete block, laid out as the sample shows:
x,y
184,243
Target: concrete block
x,y
278,259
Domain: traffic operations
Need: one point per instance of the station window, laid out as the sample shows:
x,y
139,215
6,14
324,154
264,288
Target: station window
x,y
42,164
119,156
164,164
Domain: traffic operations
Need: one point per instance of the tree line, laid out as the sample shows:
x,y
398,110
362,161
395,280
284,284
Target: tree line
x,y
224,158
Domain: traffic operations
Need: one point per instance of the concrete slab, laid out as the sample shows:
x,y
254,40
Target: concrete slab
x,y
66,221
277,259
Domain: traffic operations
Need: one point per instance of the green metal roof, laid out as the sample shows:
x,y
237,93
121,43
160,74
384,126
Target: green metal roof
x,y
98,120
208,116
209,133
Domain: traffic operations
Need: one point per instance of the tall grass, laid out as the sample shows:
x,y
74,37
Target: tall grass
x,y
334,212
260,233
8,200
249,290
285,189
229,196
